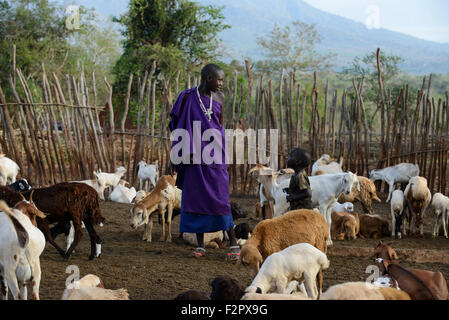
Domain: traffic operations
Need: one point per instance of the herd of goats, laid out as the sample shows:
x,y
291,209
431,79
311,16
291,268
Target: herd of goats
x,y
285,252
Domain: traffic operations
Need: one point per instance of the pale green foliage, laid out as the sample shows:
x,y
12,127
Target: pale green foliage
x,y
293,48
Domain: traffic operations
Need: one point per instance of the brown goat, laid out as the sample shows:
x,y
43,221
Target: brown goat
x,y
344,225
226,288
373,226
142,212
63,202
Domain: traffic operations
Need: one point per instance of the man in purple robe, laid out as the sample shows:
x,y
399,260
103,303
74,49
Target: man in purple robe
x,y
201,165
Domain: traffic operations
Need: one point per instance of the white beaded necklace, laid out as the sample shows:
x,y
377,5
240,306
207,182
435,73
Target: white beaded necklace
x,y
207,112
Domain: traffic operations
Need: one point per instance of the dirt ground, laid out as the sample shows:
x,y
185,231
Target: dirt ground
x,y
160,270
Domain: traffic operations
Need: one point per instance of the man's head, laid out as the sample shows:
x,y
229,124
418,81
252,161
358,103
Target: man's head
x,y
212,77
298,159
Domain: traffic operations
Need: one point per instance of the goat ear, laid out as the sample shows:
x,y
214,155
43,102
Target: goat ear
x,y
41,214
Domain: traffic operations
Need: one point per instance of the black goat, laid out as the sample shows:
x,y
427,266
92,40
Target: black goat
x,y
21,185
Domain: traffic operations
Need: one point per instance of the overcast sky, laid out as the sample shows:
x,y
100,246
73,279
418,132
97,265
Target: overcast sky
x,y
425,19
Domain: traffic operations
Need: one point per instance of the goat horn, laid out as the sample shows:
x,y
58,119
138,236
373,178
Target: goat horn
x,y
23,197
31,196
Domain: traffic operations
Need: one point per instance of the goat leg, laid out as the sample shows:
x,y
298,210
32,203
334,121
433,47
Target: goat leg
x,y
78,235
95,241
169,218
44,227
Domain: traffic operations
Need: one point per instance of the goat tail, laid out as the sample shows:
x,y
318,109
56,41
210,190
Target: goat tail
x,y
22,234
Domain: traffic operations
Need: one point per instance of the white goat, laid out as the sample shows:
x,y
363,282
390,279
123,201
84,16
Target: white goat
x,y
300,262
211,239
327,165
8,170
397,213
106,180
275,195
440,208
90,287
343,207
147,172
21,244
325,188
400,173
123,194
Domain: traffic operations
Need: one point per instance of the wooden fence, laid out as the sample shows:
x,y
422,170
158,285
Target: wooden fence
x,y
58,136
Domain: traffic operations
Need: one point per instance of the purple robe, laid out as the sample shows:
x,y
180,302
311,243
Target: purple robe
x,y
205,187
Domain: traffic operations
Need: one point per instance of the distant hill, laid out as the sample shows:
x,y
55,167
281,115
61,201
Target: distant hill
x,y
252,18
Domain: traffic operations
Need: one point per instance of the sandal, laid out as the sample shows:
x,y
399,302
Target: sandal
x,y
198,253
234,253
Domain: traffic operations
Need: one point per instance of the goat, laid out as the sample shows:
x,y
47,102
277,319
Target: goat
x,y
326,165
364,192
147,172
123,194
397,214
325,188
106,180
140,195
266,192
64,202
242,233
94,184
343,207
301,262
275,296
440,208
21,244
400,173
344,225
225,288
362,291
211,239
373,226
21,185
8,170
90,287
273,235
141,212
417,198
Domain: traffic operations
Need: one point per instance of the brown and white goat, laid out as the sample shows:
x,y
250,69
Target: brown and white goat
x,y
64,202
141,213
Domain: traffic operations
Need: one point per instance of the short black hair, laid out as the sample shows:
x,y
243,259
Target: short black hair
x,y
299,158
210,70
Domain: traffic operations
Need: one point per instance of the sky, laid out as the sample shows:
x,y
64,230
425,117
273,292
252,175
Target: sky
x,y
425,19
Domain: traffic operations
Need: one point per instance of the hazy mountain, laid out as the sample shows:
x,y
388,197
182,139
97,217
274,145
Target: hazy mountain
x,y
252,18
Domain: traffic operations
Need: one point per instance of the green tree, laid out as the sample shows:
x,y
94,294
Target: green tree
x,y
293,48
39,31
366,67
178,34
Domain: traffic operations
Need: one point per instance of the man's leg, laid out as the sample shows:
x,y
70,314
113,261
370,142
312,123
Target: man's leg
x,y
200,250
234,248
